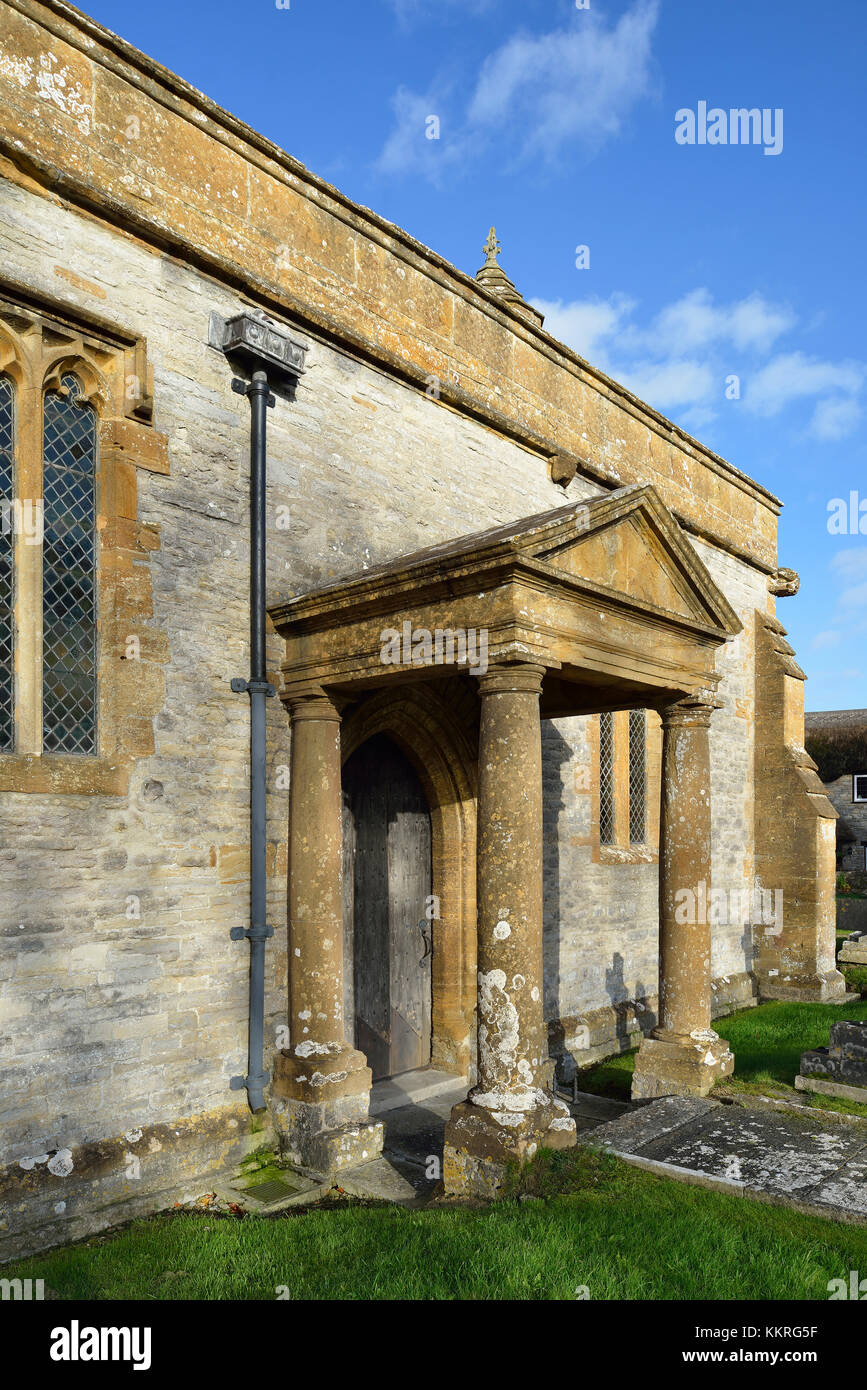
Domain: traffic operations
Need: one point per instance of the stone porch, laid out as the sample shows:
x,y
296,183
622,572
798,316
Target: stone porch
x,y
594,606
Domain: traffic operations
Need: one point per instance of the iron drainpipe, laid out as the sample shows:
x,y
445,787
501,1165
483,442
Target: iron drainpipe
x,y
259,689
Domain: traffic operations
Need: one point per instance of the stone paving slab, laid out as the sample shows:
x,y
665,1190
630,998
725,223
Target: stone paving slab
x,y
386,1181
847,1189
644,1123
794,1155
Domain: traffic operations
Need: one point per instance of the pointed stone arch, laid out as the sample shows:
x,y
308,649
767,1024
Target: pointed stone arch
x,y
429,729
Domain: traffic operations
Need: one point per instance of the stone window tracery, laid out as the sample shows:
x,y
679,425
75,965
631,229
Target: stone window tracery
x,y
75,599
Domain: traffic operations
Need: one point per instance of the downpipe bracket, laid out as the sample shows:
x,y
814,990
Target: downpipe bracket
x,y
252,933
244,388
242,687
254,1084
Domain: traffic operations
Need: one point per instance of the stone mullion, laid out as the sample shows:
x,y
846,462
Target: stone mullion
x,y
28,571
653,778
620,776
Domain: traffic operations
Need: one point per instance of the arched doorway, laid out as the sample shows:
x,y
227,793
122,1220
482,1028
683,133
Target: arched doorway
x,y
387,877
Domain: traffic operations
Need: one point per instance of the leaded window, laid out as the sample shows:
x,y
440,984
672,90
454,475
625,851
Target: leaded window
x,y
606,779
637,776
7,558
623,781
69,655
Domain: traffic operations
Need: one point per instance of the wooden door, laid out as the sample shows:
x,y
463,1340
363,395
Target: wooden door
x,y
387,879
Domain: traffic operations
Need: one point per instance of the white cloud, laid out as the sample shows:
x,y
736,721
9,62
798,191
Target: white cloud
x,y
668,385
793,375
574,84
585,324
408,146
823,640
848,610
856,597
851,565
680,360
695,321
535,95
835,418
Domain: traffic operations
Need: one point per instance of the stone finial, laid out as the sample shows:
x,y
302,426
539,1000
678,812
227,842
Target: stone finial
x,y
496,281
492,248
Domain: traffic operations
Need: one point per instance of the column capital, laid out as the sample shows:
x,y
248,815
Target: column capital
x,y
312,703
515,677
692,712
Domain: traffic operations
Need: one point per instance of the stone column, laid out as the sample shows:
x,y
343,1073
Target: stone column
x,y
683,1055
321,1088
507,1113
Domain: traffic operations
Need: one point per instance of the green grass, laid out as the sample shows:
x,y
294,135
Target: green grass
x,y
855,977
621,1232
767,1042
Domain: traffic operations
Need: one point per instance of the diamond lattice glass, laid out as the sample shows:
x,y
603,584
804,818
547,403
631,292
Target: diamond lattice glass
x,y
69,574
606,779
637,776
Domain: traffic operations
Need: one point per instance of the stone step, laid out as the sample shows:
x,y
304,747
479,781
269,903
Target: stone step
x,y
413,1088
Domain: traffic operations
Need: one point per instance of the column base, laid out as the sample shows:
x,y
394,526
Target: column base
x,y
320,1111
683,1067
481,1143
820,987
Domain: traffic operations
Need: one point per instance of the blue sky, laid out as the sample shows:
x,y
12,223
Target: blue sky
x,y
557,123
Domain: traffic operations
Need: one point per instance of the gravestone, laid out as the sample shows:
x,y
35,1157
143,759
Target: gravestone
x,y
840,1069
854,948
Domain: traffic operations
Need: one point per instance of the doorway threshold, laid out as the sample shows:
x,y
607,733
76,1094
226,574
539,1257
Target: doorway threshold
x,y
412,1088
414,1108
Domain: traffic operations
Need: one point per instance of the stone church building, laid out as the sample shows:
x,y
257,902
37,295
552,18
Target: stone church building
x,y
535,785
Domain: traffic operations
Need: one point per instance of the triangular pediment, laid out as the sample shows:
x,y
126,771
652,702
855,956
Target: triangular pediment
x,y
624,545
627,556
628,542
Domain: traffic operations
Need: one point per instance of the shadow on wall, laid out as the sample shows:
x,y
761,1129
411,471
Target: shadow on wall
x,y
621,1000
557,755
